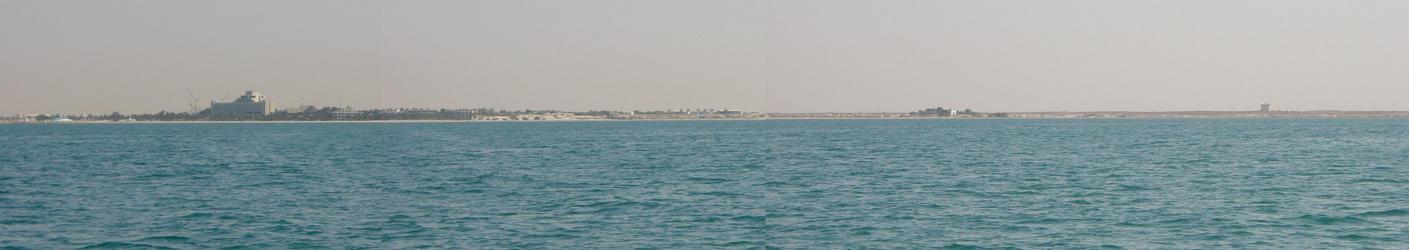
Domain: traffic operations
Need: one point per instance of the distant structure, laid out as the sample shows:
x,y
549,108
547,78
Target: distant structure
x,y
252,103
1266,107
346,113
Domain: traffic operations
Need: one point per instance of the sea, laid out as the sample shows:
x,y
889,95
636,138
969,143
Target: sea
x,y
1201,183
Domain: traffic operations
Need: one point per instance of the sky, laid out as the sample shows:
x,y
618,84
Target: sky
x,y
80,57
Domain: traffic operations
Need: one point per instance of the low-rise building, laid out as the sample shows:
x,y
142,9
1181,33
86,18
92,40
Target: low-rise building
x,y
346,113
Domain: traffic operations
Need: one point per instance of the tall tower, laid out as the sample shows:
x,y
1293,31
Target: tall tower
x,y
1266,107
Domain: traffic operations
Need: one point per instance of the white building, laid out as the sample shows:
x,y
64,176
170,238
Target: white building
x,y
346,113
252,103
1266,107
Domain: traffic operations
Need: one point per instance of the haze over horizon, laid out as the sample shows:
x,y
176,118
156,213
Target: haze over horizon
x,y
96,57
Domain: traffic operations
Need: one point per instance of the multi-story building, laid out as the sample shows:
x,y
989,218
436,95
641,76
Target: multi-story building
x,y
346,113
252,103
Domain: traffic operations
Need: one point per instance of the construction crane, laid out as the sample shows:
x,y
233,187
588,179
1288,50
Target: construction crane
x,y
195,102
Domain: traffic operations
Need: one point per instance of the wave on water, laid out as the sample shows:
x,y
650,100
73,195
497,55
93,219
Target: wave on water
x,y
777,184
1385,213
1331,220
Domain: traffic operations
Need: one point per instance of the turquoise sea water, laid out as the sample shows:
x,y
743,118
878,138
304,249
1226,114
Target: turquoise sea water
x,y
1100,183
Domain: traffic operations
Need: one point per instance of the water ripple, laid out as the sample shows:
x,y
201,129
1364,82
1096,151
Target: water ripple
x,y
948,184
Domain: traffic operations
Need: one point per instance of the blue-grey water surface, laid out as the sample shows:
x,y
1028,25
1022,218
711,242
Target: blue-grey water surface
x,y
1032,184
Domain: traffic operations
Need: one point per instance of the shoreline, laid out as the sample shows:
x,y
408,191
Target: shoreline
x,y
719,119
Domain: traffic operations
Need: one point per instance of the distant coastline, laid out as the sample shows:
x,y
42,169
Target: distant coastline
x,y
1229,114
822,116
253,106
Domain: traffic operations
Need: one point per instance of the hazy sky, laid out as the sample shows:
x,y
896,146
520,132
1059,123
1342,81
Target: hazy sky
x,y
773,55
